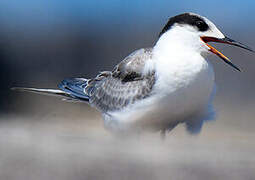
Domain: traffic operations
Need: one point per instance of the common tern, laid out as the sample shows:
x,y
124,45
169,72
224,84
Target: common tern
x,y
156,88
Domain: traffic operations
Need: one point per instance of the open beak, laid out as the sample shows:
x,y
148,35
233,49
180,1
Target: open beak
x,y
225,40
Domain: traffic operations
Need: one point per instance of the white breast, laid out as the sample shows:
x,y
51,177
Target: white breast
x,y
182,90
184,85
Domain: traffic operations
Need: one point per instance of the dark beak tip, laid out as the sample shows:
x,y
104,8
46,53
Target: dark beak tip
x,y
237,68
252,50
236,43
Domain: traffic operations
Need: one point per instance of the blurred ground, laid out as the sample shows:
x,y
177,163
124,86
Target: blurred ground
x,y
70,143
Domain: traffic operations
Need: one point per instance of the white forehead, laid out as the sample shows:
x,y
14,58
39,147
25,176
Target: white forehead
x,y
213,30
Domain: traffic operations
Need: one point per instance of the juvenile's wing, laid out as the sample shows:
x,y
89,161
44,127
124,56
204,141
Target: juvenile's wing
x,y
127,83
132,67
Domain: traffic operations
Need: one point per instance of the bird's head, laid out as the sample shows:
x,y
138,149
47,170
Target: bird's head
x,y
194,32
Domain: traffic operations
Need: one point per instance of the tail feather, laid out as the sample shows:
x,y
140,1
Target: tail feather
x,y
75,87
70,90
50,92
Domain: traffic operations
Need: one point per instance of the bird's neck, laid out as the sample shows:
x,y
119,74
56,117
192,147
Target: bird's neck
x,y
179,46
178,41
177,61
172,50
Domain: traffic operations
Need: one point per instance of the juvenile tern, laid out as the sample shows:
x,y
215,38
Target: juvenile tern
x,y
156,88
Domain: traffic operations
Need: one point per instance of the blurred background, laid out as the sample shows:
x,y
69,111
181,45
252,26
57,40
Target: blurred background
x,y
44,42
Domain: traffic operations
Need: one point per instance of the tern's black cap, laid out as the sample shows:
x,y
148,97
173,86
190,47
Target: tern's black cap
x,y
186,18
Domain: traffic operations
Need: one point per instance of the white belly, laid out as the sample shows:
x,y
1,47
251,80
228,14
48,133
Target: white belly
x,y
176,98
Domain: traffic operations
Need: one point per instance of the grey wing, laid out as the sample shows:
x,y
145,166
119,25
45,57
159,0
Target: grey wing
x,y
111,91
132,66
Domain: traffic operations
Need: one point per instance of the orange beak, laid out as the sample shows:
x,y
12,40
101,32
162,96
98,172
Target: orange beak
x,y
225,40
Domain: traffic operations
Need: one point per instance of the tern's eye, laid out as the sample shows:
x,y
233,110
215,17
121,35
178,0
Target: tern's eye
x,y
201,25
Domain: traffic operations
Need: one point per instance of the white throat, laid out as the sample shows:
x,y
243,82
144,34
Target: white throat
x,y
178,60
181,39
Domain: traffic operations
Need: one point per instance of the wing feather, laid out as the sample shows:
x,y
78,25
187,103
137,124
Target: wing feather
x,y
111,91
